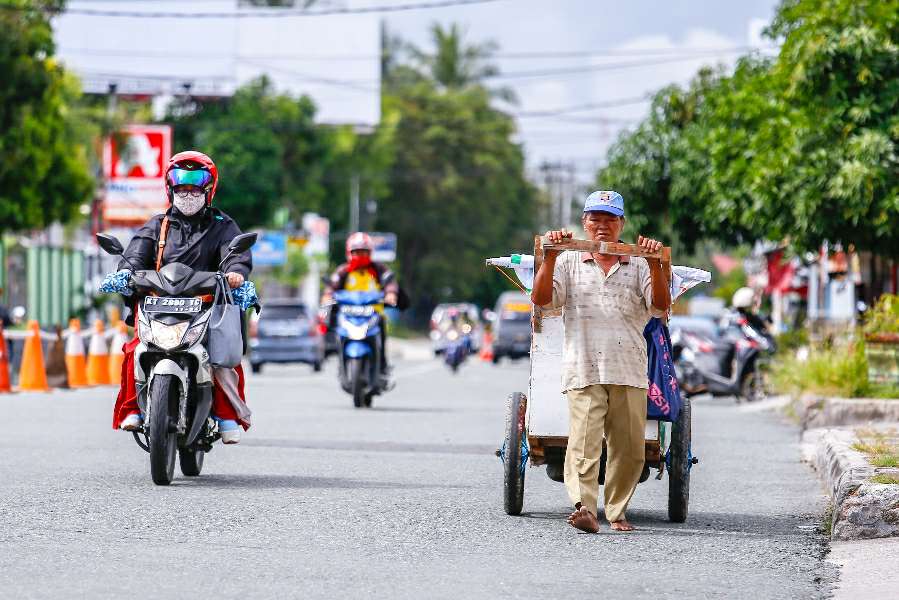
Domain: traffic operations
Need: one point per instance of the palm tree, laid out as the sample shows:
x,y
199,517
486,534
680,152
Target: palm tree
x,y
455,65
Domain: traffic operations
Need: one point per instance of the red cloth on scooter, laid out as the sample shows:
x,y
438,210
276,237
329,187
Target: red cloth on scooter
x,y
357,263
221,406
126,401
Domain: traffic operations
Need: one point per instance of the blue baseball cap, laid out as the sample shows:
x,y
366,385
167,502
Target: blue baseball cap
x,y
605,201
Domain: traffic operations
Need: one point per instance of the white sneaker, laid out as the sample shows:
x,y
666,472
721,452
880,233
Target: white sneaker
x,y
230,431
132,422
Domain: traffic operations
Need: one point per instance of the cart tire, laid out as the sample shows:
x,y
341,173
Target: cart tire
x,y
679,467
513,475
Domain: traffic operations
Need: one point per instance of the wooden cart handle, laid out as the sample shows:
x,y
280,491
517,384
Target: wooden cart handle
x,y
613,248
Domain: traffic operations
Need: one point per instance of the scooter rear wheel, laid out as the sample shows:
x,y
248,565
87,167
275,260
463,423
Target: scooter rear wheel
x,y
191,461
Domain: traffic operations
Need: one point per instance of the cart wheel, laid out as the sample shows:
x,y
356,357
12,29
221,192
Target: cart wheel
x,y
513,462
679,466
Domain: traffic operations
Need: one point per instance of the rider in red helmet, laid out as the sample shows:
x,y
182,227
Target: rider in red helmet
x,y
194,233
361,274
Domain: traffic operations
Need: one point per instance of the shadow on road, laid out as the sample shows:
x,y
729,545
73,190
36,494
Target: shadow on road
x,y
262,481
701,523
361,446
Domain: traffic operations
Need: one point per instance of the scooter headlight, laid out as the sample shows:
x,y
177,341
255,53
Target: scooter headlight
x,y
452,336
194,334
167,336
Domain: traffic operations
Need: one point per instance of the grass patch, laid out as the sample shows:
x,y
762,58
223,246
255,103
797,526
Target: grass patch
x,y
885,460
881,447
838,369
873,447
886,479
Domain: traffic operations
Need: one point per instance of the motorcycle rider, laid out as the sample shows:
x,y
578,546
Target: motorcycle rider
x,y
361,274
743,302
196,234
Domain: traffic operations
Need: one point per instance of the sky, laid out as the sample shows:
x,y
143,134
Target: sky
x,y
629,31
614,53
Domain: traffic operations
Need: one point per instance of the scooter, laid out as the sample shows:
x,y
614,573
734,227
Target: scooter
x,y
457,349
730,365
359,334
171,363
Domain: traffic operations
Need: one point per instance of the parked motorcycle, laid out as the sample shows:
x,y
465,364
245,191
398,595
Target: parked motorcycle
x,y
726,362
359,334
171,363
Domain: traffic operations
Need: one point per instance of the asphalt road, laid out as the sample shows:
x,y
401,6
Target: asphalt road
x,y
321,500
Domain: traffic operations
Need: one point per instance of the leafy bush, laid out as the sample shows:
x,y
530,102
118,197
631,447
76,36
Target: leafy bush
x,y
883,318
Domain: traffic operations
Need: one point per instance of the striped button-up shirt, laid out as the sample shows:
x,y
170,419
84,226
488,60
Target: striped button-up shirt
x,y
604,316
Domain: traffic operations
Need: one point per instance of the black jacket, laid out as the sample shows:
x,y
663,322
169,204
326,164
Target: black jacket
x,y
201,242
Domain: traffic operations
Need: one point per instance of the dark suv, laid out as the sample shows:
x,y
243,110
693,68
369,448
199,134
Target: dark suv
x,y
286,332
512,327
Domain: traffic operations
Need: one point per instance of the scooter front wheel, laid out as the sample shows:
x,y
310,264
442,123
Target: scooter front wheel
x,y
355,370
163,442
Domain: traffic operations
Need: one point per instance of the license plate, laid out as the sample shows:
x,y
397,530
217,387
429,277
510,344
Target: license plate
x,y
154,304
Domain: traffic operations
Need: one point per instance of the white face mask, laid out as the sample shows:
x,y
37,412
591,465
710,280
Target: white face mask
x,y
188,205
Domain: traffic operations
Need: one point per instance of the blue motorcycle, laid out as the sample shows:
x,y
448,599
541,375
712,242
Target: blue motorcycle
x,y
458,347
359,331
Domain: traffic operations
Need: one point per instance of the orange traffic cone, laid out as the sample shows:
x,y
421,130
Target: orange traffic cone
x,y
98,357
76,363
487,347
4,365
33,377
116,353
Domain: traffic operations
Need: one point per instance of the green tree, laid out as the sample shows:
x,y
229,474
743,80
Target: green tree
x,y
457,192
44,171
800,147
267,147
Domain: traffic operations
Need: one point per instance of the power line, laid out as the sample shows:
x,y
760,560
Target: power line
x,y
552,112
264,13
369,57
594,68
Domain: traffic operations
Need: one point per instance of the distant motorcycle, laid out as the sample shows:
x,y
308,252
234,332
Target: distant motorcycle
x,y
457,349
729,364
359,340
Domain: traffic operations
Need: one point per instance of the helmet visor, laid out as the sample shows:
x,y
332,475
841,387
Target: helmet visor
x,y
200,178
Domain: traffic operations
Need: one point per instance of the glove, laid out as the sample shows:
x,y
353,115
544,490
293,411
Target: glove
x,y
117,283
245,296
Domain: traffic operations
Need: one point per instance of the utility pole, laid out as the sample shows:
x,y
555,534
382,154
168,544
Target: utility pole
x,y
354,204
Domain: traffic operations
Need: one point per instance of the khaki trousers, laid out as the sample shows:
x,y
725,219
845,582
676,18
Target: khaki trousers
x,y
617,412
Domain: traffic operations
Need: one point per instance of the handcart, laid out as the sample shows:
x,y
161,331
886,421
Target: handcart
x,y
537,422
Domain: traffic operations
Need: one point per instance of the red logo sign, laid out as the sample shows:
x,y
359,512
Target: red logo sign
x,y
140,151
134,162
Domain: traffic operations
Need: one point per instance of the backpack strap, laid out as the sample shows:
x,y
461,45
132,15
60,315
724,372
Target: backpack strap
x,y
163,235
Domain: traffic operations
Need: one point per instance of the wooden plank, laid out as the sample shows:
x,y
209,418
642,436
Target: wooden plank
x,y
537,316
613,248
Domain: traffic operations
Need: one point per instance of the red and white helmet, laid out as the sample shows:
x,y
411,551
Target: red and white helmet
x,y
192,168
359,241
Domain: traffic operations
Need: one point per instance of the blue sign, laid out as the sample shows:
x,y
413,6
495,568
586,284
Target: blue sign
x,y
385,247
270,249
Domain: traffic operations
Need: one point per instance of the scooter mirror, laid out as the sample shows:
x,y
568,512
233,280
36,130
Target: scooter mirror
x,y
243,242
110,244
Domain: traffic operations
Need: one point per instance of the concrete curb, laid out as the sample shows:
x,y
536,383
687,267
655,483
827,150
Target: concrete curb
x,y
815,411
862,509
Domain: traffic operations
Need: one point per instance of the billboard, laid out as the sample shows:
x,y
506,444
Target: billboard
x,y
134,161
